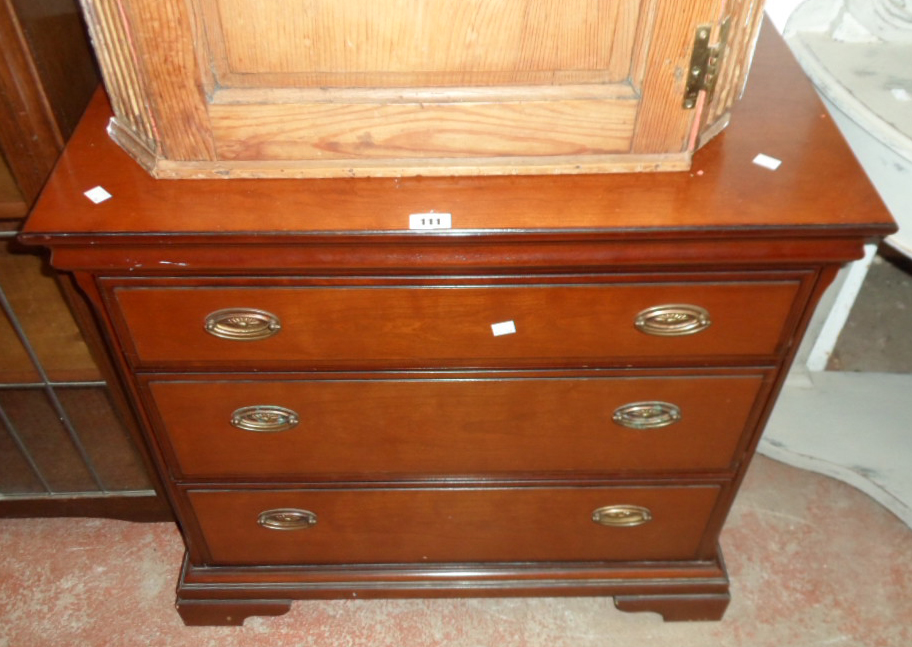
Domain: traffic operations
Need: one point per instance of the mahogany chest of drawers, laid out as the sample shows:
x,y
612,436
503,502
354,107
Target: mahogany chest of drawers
x,y
558,395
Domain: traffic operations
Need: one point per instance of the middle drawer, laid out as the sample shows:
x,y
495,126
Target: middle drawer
x,y
372,429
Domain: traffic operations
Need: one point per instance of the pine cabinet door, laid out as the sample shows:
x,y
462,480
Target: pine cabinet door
x,y
416,87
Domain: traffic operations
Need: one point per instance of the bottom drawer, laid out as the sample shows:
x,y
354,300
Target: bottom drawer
x,y
415,525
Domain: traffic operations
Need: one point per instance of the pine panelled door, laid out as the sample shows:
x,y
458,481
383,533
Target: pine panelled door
x,y
322,88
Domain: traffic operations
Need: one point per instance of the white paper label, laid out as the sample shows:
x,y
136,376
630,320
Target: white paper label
x,y
430,221
767,162
503,328
97,195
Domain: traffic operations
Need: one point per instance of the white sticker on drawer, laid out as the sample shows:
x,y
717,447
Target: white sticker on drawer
x,y
767,162
503,328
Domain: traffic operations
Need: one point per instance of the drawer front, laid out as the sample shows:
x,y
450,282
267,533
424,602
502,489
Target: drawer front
x,y
452,326
452,525
377,428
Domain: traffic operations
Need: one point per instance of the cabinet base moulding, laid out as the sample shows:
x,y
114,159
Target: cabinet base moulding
x,y
431,167
678,591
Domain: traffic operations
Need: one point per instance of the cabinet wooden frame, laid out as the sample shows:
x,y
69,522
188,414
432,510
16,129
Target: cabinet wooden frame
x,y
229,88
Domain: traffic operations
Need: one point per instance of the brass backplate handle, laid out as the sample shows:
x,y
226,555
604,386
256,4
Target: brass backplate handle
x,y
647,415
287,519
242,324
673,320
621,516
264,418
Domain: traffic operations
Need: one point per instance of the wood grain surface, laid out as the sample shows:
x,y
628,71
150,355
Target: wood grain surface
x,y
781,116
206,88
449,324
453,525
558,423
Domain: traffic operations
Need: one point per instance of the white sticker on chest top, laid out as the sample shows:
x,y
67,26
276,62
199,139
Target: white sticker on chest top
x,y
97,195
503,328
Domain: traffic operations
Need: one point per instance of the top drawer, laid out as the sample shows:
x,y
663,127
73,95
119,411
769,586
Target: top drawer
x,y
413,326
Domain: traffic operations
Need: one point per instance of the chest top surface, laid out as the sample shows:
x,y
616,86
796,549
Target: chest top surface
x,y
819,189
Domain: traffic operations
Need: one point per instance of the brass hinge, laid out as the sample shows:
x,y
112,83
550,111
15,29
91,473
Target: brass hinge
x,y
704,63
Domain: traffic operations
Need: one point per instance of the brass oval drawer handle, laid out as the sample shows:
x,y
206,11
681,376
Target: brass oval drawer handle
x,y
647,415
242,324
621,516
287,519
673,320
264,419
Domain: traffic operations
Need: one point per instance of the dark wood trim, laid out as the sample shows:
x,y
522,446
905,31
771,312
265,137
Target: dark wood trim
x,y
88,325
710,606
679,591
203,613
127,508
895,258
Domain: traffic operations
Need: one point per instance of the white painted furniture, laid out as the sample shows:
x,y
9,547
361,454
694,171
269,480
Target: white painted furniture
x,y
854,426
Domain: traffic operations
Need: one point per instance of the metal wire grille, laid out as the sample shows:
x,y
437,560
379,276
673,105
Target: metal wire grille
x,y
52,391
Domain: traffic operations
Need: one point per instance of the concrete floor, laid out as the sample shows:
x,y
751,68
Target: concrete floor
x,y
812,562
877,337
853,421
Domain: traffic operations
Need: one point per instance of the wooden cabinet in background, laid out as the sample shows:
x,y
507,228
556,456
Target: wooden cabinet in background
x,y
65,448
47,75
